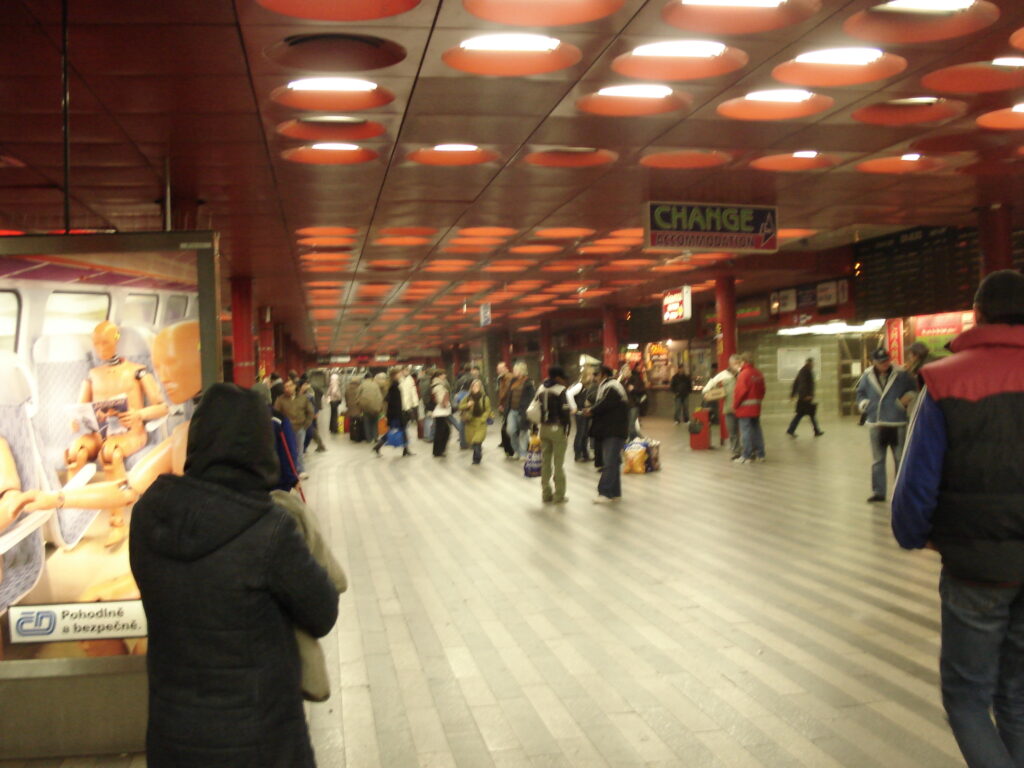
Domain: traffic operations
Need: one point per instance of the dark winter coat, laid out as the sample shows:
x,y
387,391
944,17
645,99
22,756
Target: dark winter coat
x,y
225,578
610,414
803,391
394,404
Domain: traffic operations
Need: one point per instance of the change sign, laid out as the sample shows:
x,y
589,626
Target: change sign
x,y
713,227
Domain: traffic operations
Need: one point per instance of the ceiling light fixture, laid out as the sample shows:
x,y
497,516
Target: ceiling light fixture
x,y
807,154
736,3
510,43
925,6
1013,62
637,91
333,119
689,49
914,100
344,84
330,146
456,148
1018,107
912,157
782,95
844,57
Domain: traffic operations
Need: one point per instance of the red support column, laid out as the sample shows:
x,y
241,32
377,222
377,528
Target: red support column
x,y
610,337
241,331
547,358
268,354
725,312
995,230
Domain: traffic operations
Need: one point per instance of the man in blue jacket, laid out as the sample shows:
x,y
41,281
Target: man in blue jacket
x,y
961,491
884,393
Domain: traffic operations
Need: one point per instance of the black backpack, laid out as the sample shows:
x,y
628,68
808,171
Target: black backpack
x,y
551,413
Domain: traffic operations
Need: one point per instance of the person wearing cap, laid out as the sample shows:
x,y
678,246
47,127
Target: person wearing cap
x,y
556,412
884,393
960,491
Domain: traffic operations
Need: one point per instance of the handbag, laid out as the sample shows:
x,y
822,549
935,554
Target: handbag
x,y
715,394
533,411
395,438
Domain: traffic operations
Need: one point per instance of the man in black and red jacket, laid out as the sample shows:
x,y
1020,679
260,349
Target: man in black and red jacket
x,y
960,490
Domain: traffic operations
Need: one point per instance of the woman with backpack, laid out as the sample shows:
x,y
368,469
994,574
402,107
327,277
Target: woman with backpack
x,y
552,411
475,411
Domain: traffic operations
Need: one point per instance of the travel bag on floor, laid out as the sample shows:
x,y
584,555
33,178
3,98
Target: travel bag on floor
x,y
533,458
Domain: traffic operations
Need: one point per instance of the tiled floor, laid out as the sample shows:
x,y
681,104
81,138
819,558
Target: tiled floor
x,y
721,615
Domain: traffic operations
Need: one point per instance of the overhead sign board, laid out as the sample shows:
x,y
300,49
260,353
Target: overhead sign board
x,y
485,315
713,227
677,306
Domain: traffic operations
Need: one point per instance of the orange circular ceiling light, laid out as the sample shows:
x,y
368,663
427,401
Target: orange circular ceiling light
x,y
1017,39
777,104
326,231
563,233
337,128
621,264
1001,74
634,101
686,159
549,13
329,153
508,265
909,163
409,231
339,256
631,232
477,241
910,111
680,60
676,267
568,265
386,265
571,157
794,161
452,155
1010,119
511,55
795,233
468,248
488,231
595,250
738,17
907,21
339,10
402,240
537,249
329,241
626,241
332,94
838,67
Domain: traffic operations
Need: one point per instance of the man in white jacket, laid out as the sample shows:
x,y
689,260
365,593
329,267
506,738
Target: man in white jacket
x,y
725,380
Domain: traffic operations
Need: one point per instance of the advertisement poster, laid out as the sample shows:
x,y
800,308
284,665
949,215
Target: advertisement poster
x,y
936,331
792,359
95,407
894,339
677,306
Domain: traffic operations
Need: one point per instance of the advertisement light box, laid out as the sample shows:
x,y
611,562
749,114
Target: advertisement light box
x,y
677,306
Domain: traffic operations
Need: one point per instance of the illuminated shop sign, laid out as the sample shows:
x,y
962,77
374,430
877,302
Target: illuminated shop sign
x,y
677,306
713,226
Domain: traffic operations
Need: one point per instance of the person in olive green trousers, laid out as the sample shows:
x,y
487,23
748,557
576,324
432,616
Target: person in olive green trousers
x,y
555,421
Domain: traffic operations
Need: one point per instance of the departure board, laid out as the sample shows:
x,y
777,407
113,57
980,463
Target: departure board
x,y
919,271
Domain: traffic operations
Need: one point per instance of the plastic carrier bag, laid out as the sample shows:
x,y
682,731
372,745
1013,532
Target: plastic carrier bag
x,y
634,458
533,458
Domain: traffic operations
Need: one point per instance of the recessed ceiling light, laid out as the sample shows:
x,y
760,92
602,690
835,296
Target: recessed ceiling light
x,y
333,119
510,42
912,157
784,95
925,6
850,57
1014,62
807,154
915,100
574,150
332,84
736,3
456,148
637,91
331,146
1018,107
690,49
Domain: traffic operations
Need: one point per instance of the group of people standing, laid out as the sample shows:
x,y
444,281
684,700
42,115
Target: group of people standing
x,y
740,386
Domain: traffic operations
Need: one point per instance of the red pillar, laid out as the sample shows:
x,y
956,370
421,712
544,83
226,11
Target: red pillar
x,y
995,230
610,337
241,331
268,355
725,312
547,357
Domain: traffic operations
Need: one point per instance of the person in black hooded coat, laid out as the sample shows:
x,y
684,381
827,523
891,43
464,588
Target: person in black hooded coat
x,y
225,577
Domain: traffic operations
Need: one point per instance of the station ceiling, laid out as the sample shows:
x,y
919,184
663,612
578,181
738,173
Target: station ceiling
x,y
361,234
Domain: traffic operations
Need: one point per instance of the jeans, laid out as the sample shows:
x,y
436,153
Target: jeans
x,y
518,430
878,457
753,438
610,484
300,441
798,417
982,671
428,428
732,426
370,427
460,427
683,407
580,444
553,442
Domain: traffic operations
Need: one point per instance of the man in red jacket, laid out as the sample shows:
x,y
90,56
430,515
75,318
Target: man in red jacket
x,y
747,406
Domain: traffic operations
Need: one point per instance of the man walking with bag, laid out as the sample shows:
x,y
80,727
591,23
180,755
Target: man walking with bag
x,y
552,410
803,391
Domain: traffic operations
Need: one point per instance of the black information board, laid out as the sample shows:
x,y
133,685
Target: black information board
x,y
918,271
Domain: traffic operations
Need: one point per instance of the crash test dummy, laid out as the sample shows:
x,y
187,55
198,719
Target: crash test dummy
x,y
115,378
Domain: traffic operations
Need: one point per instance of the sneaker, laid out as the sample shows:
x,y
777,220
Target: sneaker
x,y
736,457
874,498
303,475
547,499
818,434
321,449
602,500
791,434
561,500
746,461
760,459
